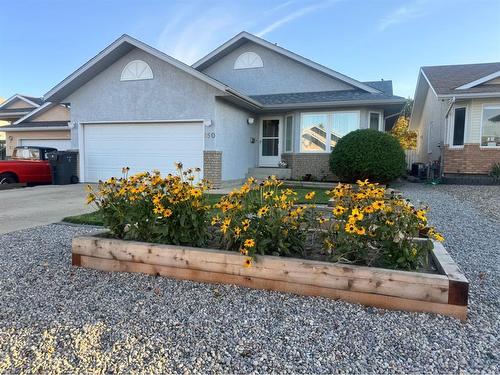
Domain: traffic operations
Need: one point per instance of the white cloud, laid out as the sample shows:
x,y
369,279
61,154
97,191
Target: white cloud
x,y
404,13
292,16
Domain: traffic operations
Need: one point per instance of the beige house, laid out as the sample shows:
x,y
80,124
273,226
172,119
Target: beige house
x,y
33,122
457,115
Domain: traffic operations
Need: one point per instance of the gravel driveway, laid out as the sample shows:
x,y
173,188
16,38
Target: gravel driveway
x,y
55,317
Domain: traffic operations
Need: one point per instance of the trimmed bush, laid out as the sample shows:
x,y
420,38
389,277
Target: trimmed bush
x,y
368,154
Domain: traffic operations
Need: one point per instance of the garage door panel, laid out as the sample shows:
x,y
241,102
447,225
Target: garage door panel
x,y
141,147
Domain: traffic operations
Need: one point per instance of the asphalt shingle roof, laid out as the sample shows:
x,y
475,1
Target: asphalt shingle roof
x,y
330,96
446,78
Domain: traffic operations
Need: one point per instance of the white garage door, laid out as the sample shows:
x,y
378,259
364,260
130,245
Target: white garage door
x,y
141,146
60,144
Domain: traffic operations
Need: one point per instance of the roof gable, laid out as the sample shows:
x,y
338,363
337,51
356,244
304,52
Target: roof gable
x,y
244,37
456,80
46,112
115,51
31,102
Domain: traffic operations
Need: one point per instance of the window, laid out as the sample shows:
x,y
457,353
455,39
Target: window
x,y
288,133
248,60
317,128
429,137
458,129
136,70
375,120
490,126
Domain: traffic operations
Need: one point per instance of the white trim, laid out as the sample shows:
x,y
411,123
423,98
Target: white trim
x,y
285,133
289,54
81,137
380,121
280,138
477,82
471,95
140,121
38,128
451,127
345,103
20,97
483,107
44,105
153,51
428,82
24,113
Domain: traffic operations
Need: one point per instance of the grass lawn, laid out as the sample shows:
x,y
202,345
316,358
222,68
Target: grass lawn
x,y
95,218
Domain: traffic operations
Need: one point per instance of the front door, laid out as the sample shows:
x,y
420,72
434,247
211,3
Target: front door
x,y
270,129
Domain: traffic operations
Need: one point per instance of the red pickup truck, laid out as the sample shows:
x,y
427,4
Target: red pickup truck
x,y
28,164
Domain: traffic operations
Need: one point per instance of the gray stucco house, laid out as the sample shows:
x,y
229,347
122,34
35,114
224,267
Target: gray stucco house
x,y
240,110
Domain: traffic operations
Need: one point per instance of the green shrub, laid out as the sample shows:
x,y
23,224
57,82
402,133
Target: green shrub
x,y
368,154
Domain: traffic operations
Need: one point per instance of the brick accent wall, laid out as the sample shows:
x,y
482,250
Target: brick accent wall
x,y
212,167
471,159
301,164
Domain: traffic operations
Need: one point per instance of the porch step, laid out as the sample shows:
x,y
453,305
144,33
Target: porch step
x,y
261,173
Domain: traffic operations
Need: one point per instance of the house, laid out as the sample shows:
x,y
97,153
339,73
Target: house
x,y
33,122
457,115
247,105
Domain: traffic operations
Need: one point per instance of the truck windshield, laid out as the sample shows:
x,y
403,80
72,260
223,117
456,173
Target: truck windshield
x,y
26,154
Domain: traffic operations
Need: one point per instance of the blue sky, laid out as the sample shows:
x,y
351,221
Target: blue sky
x,y
41,42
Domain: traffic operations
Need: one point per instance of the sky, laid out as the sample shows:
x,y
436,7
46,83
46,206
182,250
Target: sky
x,y
43,41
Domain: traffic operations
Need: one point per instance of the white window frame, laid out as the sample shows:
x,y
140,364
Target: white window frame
x,y
147,70
238,65
286,133
483,107
329,125
451,126
380,120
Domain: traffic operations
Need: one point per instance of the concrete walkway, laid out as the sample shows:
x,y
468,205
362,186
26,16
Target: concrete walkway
x,y
40,205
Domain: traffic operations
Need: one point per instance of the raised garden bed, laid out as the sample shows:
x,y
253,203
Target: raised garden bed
x,y
444,293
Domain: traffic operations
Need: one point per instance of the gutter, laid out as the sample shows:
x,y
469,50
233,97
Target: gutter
x,y
40,128
345,103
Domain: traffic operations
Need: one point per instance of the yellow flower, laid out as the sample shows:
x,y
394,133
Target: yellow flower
x,y
350,228
421,215
237,231
389,222
167,212
245,224
90,198
178,166
368,209
361,231
362,183
248,262
215,220
310,195
251,180
378,205
249,243
356,215
244,251
267,194
338,210
262,211
196,193
322,219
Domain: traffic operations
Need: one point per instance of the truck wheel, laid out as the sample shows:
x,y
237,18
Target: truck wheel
x,y
74,179
7,178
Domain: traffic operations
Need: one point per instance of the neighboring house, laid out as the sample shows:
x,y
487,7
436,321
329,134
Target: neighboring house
x,y
33,122
247,104
457,115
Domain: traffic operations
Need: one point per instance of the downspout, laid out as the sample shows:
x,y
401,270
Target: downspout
x,y
451,102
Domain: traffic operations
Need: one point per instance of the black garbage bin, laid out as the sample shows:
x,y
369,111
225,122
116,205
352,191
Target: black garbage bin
x,y
63,165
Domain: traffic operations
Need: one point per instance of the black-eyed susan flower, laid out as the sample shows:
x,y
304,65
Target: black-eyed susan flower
x,y
249,243
310,195
248,262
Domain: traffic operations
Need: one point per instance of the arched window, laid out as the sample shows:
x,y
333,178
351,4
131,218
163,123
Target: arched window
x,y
248,60
136,70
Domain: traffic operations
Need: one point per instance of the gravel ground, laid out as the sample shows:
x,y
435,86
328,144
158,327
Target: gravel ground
x,y
57,318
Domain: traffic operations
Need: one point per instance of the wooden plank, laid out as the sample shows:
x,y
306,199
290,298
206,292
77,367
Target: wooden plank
x,y
423,287
381,301
458,284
